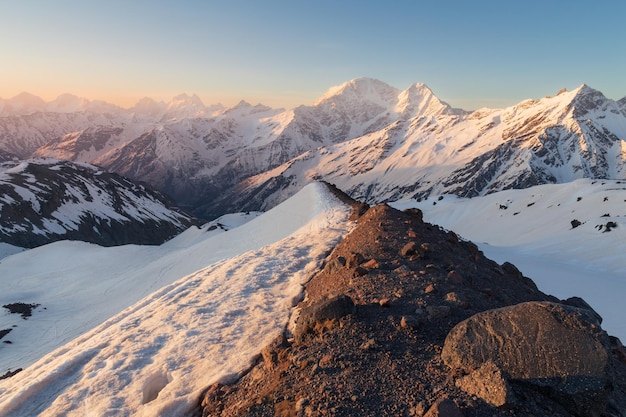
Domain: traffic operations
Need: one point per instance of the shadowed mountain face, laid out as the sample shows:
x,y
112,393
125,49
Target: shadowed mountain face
x,y
48,200
373,140
385,326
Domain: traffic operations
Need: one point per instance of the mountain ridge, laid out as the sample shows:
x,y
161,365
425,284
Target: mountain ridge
x,y
374,140
44,201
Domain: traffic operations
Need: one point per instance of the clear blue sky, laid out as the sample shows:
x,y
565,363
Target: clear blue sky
x,y
286,53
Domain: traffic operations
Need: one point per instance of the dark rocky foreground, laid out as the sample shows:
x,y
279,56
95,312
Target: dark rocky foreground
x,y
405,319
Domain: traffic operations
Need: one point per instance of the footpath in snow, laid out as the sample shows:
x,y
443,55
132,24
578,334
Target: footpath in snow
x,y
155,357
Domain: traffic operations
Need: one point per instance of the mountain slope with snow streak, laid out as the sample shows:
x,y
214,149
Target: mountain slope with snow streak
x,y
569,238
43,201
155,357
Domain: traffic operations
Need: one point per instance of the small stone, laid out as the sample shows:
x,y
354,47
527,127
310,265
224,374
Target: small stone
x,y
301,403
409,249
371,264
354,260
454,277
453,298
368,344
426,248
429,288
410,322
325,361
385,302
418,410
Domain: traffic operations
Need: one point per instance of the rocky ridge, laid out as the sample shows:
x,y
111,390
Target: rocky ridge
x,y
406,319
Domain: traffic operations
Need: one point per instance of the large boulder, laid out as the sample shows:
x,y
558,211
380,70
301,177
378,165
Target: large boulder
x,y
560,349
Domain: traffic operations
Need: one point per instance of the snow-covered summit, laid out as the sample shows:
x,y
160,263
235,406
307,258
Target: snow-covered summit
x,y
23,103
419,99
359,89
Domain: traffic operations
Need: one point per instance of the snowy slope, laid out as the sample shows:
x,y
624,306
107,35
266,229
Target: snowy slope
x,y
533,229
199,309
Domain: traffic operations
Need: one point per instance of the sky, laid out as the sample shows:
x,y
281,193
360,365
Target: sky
x,y
288,53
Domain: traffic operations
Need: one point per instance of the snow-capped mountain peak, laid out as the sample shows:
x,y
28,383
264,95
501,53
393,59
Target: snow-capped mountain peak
x,y
149,107
360,89
23,103
184,106
185,100
419,99
67,103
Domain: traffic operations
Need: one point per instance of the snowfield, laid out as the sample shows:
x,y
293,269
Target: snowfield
x,y
532,229
154,326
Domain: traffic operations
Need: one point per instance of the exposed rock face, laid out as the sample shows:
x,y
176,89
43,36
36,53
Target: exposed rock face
x,y
383,356
555,347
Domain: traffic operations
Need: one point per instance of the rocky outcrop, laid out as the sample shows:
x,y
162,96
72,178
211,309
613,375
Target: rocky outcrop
x,y
558,349
368,337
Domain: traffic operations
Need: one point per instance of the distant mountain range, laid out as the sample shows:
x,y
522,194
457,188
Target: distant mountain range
x,y
374,141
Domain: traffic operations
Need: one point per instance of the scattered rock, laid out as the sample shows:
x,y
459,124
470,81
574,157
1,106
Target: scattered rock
x,y
359,271
409,249
385,302
354,260
368,344
337,263
9,374
25,310
411,322
371,264
332,308
270,352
